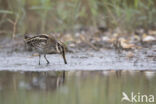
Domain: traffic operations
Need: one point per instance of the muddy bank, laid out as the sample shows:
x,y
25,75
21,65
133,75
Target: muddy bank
x,y
81,55
84,60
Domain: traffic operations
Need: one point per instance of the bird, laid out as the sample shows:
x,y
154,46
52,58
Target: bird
x,y
43,43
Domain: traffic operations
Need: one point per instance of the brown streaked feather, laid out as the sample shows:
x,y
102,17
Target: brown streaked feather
x,y
44,44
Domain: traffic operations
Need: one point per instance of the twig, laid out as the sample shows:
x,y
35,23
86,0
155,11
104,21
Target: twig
x,y
14,23
14,28
88,43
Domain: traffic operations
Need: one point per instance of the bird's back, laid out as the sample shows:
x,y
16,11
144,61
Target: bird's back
x,y
42,43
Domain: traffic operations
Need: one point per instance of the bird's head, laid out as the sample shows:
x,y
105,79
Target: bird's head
x,y
27,37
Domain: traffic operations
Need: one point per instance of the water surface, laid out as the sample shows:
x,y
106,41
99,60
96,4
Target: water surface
x,y
73,87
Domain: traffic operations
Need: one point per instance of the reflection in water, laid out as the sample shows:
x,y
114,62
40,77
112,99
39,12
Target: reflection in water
x,y
80,87
31,80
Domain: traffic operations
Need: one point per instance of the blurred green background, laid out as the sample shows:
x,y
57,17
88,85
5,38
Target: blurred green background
x,y
38,16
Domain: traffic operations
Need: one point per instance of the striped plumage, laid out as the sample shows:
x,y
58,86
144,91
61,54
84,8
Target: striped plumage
x,y
44,43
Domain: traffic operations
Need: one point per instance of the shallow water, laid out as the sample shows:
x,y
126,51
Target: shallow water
x,y
90,60
74,87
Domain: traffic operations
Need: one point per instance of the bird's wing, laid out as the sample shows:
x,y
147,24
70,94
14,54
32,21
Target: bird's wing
x,y
41,44
38,42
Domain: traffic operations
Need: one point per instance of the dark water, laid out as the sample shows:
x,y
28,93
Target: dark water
x,y
74,87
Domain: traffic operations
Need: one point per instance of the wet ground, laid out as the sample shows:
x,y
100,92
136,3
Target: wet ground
x,y
144,59
90,77
79,87
14,56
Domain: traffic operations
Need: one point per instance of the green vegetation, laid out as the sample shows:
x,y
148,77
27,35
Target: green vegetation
x,y
44,16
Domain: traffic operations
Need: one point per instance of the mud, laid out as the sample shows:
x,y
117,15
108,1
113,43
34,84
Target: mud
x,y
144,59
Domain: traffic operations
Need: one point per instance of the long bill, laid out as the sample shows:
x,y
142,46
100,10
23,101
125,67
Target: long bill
x,y
63,55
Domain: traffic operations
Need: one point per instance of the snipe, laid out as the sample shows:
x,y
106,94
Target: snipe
x,y
44,43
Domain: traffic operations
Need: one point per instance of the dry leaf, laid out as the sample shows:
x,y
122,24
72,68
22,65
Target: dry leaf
x,y
148,38
152,32
67,37
125,45
82,37
106,39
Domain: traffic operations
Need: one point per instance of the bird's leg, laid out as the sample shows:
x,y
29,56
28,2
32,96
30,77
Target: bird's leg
x,y
39,59
46,58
